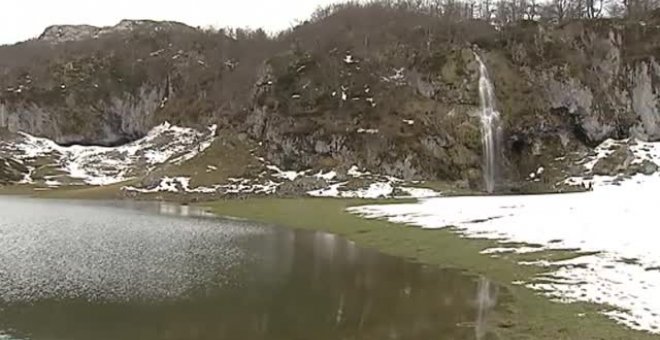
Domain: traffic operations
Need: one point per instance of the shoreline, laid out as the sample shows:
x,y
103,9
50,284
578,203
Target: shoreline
x,y
528,315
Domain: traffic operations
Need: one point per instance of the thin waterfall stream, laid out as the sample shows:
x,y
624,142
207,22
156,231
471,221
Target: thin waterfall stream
x,y
490,126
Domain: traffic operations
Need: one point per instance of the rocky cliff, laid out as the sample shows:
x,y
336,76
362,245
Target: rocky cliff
x,y
387,90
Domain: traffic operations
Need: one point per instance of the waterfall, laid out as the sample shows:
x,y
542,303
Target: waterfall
x,y
490,127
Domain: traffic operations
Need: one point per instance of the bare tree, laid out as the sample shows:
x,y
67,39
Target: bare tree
x,y
532,10
511,10
485,10
594,8
557,10
632,9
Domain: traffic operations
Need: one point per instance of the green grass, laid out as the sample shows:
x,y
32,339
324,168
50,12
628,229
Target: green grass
x,y
229,156
68,192
527,316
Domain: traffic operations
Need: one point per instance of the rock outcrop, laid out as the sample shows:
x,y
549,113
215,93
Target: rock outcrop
x,y
395,98
64,33
11,171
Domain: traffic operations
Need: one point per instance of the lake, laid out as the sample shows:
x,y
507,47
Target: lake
x,y
127,270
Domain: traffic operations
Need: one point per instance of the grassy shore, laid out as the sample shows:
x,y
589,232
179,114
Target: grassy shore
x,y
526,316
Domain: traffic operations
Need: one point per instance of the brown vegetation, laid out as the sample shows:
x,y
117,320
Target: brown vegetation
x,y
307,92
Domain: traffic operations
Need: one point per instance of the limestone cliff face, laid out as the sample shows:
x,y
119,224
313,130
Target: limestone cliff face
x,y
119,119
559,88
565,87
103,86
646,99
393,98
603,75
345,109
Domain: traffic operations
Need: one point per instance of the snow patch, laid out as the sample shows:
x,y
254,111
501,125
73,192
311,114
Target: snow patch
x,y
288,175
328,176
53,183
375,190
96,165
182,185
613,226
398,78
354,171
367,131
419,192
642,151
380,187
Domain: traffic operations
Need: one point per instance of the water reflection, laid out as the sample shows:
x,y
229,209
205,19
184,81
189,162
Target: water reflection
x,y
486,301
279,284
168,208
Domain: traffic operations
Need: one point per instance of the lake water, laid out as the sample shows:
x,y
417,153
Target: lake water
x,y
92,270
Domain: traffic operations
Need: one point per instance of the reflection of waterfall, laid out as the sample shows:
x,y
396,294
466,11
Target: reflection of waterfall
x,y
490,119
485,301
167,208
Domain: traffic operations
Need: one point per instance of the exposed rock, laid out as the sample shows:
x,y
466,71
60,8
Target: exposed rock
x,y
578,100
300,186
646,99
11,171
647,167
622,162
319,102
114,121
65,33
617,162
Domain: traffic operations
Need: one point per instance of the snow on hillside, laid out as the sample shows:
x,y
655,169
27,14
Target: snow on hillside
x,y
97,165
386,189
378,187
52,165
614,226
269,183
640,151
182,185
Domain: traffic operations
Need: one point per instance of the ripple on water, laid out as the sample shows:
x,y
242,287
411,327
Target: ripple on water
x,y
84,271
61,251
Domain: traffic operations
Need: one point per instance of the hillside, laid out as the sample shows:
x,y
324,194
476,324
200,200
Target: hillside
x,y
385,90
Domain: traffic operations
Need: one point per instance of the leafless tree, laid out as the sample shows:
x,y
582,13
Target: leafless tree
x,y
532,11
485,10
511,10
594,8
637,9
560,9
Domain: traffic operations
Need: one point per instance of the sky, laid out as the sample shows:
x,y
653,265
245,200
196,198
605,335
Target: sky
x,y
21,20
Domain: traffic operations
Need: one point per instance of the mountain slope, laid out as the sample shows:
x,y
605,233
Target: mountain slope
x,y
388,90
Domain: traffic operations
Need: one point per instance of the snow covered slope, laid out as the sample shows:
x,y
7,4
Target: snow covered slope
x,y
96,165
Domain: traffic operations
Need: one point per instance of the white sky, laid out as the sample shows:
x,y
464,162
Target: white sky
x,y
24,19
